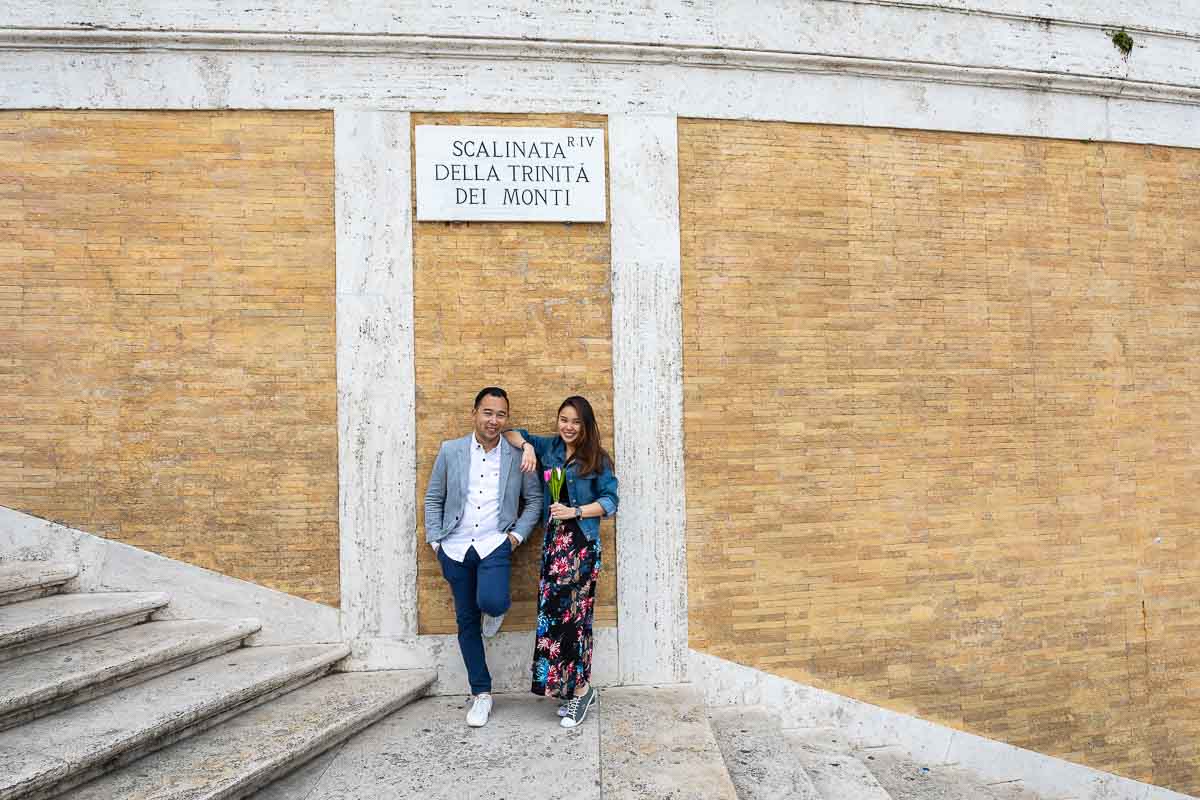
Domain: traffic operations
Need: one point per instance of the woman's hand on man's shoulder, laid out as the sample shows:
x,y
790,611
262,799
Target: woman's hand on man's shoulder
x,y
528,458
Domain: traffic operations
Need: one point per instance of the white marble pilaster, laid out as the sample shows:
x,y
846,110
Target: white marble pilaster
x,y
376,397
648,399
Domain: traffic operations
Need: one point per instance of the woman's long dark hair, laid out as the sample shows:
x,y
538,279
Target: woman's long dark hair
x,y
589,456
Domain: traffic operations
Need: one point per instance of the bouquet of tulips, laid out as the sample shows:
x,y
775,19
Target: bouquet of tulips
x,y
554,479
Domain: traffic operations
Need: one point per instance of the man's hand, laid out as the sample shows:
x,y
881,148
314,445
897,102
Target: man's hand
x,y
528,458
514,541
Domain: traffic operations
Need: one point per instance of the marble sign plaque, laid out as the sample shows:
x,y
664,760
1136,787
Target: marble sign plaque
x,y
483,173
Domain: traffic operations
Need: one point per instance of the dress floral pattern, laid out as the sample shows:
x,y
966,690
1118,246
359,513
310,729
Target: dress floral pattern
x,y
562,656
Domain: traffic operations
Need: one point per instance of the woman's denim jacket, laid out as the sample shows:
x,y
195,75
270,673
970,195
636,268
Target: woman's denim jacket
x,y
599,487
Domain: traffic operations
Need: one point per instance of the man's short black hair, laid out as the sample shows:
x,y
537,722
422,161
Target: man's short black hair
x,y
490,391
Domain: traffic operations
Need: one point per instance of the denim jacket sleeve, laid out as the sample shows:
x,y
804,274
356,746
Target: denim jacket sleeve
x,y
541,444
606,490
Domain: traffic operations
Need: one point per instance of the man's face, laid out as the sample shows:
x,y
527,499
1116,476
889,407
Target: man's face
x,y
490,417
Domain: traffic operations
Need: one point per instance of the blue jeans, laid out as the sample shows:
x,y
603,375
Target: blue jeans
x,y
477,585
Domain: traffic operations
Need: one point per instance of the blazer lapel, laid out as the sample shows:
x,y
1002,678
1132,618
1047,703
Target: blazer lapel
x,y
464,465
505,462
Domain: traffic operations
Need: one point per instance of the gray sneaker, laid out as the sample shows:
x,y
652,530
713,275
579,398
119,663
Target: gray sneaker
x,y
491,625
577,708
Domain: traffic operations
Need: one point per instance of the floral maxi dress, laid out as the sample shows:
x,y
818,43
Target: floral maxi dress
x,y
562,654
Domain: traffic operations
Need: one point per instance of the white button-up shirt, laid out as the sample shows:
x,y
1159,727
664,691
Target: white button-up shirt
x,y
480,525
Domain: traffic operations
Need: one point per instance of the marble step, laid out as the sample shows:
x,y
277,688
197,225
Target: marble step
x,y
759,759
834,769
656,742
26,580
46,622
905,779
253,749
49,755
51,680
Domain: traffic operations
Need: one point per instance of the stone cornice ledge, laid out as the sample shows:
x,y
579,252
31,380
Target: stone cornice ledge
x,y
493,49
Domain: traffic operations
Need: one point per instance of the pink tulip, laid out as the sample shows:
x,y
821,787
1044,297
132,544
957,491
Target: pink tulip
x,y
546,476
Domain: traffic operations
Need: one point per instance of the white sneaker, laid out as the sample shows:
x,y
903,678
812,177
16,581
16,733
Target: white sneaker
x,y
481,707
491,625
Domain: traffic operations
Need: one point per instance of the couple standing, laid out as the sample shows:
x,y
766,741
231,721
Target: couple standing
x,y
484,499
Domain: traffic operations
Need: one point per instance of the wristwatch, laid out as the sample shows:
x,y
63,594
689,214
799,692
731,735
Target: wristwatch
x,y
578,512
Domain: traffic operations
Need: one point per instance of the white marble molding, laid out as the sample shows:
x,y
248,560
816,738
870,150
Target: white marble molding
x,y
1084,78
615,20
1068,37
196,593
865,725
1034,68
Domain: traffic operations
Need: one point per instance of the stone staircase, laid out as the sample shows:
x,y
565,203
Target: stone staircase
x,y
98,699
767,762
102,700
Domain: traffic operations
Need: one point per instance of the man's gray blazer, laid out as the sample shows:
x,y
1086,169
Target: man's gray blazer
x,y
447,492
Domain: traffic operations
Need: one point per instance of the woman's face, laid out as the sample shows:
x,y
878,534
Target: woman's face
x,y
570,427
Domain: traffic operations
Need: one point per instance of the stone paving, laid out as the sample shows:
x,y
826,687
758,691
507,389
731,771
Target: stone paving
x,y
426,750
656,743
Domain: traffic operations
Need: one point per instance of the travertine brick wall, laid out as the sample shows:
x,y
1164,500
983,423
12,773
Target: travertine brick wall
x,y
942,424
167,335
526,306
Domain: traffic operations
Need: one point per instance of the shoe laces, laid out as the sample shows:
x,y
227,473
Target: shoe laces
x,y
575,702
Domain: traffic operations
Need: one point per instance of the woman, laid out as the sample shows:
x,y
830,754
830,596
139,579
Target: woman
x,y
562,656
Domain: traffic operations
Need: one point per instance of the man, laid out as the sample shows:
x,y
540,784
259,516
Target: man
x,y
472,523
